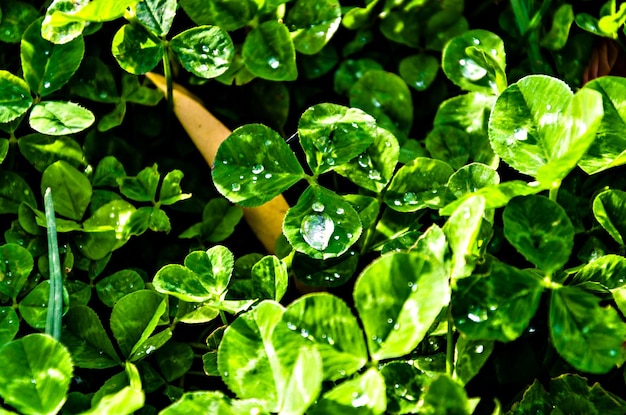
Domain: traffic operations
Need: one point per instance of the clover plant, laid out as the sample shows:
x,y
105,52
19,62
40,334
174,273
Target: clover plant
x,y
454,242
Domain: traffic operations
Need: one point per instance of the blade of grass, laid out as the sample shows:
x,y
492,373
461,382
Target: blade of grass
x,y
55,301
207,133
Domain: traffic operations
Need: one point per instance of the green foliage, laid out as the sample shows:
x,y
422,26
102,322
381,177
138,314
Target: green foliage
x,y
455,229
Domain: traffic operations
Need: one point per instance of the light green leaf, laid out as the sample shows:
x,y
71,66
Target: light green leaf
x,y
540,230
135,51
43,150
156,15
497,306
171,192
404,384
326,323
419,185
115,286
398,297
125,401
443,395
16,264
9,324
212,403
364,394
269,53
71,190
60,118
312,24
41,371
254,165
472,177
331,135
47,67
322,224
270,278
205,51
587,335
15,97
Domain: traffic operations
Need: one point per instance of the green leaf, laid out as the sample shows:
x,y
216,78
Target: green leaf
x,y
449,144
171,192
227,14
332,135
41,371
475,61
444,25
134,318
115,286
16,17
587,335
60,118
156,15
387,98
398,297
13,191
350,71
9,324
43,150
205,51
331,272
16,264
403,383
470,356
71,190
219,219
135,51
102,10
322,224
419,185
544,134
562,20
443,395
270,278
326,323
94,80
540,230
269,52
34,307
254,165
607,150
312,23
174,359
212,403
47,67
4,149
15,97
143,187
125,401
472,177
496,306
463,232
59,26
419,71
87,339
364,393
108,170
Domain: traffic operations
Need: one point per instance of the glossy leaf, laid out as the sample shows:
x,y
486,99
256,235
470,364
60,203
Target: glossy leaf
x,y
362,394
470,356
43,150
587,335
98,11
41,371
13,191
331,272
156,15
205,51
419,71
226,14
142,187
321,224
469,178
134,318
497,306
312,23
449,144
269,53
135,51
108,170
544,134
374,168
71,190
326,323
419,185
607,150
475,61
126,400
115,286
219,219
47,67
15,97
540,230
332,135
444,395
34,307
404,383
212,403
9,324
398,297
254,165
270,278
60,118
85,336
170,191
16,264
387,98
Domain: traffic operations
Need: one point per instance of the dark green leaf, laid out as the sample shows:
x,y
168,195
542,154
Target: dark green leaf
x,y
351,71
16,264
16,17
205,51
71,190
34,307
47,67
404,386
115,286
135,51
269,53
470,356
174,359
9,324
41,371
156,15
540,230
60,118
142,187
562,20
312,23
322,224
419,71
496,306
254,165
15,97
449,144
43,150
108,170
13,191
331,272
227,14
398,297
94,80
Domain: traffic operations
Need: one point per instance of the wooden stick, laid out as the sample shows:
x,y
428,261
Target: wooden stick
x,y
207,133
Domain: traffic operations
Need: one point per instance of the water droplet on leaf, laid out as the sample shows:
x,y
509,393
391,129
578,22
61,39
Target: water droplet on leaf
x,y
317,230
471,70
257,168
235,187
317,207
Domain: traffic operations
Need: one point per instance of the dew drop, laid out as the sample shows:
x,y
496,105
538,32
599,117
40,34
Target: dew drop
x,y
317,207
340,211
477,314
374,174
410,198
46,85
471,70
205,48
330,161
317,230
364,160
235,187
257,168
359,399
268,175
273,62
479,349
520,134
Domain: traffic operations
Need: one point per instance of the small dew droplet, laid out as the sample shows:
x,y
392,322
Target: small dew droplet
x,y
235,187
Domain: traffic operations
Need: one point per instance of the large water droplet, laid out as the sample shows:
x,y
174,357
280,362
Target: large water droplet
x,y
317,230
410,198
477,314
471,70
520,134
317,207
257,168
359,399
273,62
235,187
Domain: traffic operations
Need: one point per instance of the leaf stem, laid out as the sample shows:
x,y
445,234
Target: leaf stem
x,y
169,82
450,344
55,301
